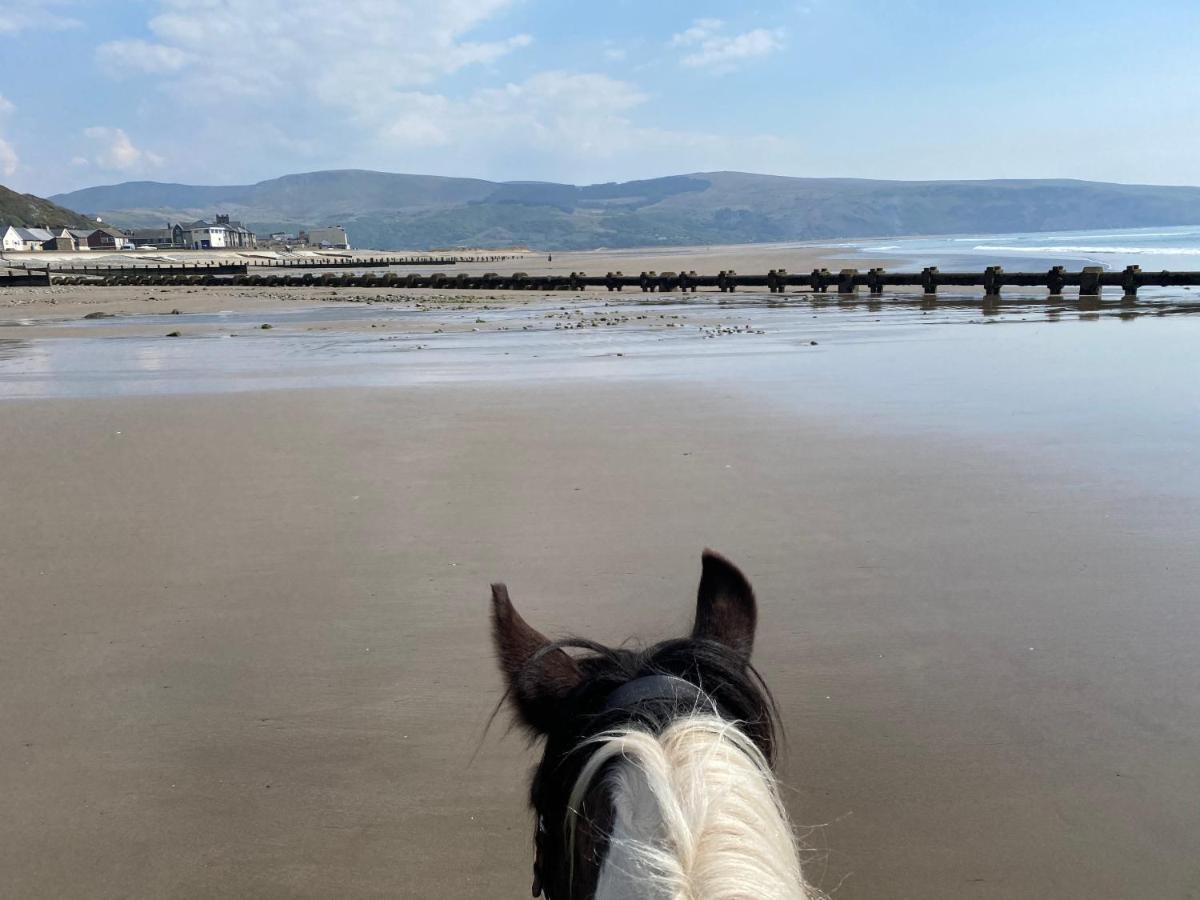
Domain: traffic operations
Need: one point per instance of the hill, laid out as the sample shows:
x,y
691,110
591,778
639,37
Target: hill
x,y
389,211
26,209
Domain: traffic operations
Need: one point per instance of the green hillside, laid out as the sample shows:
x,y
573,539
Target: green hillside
x,y
26,209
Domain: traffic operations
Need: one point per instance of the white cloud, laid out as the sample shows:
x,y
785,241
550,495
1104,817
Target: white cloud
x,y
718,52
141,56
701,31
554,126
9,162
115,152
23,15
289,86
354,51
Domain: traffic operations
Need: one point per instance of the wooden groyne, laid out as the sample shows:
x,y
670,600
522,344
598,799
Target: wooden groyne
x,y
242,268
24,279
1089,282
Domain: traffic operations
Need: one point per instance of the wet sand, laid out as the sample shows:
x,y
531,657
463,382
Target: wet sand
x,y
245,648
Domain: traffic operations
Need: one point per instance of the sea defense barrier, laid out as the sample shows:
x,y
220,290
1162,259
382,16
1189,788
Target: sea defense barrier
x,y
1089,282
213,267
27,278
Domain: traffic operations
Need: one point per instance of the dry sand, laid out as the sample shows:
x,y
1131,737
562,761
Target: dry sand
x,y
245,651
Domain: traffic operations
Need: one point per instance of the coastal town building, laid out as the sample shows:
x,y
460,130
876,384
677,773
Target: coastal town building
x,y
80,237
159,238
108,239
60,243
216,235
222,234
334,237
16,238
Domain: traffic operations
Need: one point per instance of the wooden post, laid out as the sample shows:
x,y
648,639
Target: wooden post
x,y
1129,281
1056,279
846,283
875,281
1089,281
993,278
929,282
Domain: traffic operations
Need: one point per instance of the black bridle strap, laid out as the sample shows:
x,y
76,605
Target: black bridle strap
x,y
650,688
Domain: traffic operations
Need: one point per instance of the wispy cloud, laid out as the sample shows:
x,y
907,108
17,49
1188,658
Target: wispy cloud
x,y
27,15
712,48
142,56
114,151
9,161
348,53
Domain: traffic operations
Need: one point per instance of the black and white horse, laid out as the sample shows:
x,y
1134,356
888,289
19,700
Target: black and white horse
x,y
656,780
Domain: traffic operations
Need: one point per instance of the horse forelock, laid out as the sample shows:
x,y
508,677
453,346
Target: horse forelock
x,y
574,837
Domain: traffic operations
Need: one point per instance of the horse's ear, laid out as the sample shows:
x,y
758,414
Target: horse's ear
x,y
538,676
725,608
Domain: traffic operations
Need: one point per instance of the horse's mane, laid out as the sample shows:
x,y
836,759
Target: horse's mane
x,y
696,815
572,791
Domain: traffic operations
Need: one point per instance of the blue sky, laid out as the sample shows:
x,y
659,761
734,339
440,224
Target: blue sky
x,y
235,91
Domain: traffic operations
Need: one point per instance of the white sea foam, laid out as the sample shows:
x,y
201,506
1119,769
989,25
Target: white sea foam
x,y
1071,249
1104,235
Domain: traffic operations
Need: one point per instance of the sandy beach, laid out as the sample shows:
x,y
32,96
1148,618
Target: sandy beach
x,y
245,647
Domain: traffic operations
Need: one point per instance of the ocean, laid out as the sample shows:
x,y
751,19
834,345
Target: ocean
x,y
1154,249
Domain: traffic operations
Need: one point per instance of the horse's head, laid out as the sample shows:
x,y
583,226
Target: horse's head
x,y
596,695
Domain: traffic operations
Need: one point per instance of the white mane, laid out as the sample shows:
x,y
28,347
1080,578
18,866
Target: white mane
x,y
696,816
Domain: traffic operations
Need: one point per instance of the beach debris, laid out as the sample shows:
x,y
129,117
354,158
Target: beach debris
x,y
174,334
176,312
266,326
100,315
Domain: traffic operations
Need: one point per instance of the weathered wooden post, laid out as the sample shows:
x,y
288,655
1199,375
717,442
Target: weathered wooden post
x,y
821,280
846,282
666,282
875,281
993,278
1089,281
645,280
1129,281
929,282
1056,280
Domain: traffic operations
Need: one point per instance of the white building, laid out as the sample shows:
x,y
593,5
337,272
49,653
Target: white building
x,y
333,237
16,238
216,235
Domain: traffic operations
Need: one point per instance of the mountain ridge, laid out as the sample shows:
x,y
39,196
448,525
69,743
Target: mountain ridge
x,y
399,210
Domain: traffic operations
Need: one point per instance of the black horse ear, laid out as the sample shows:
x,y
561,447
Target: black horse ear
x,y
725,607
539,676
